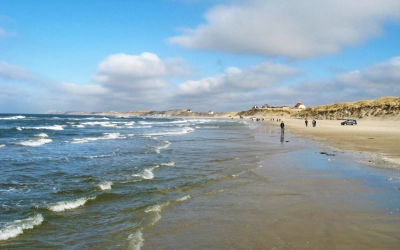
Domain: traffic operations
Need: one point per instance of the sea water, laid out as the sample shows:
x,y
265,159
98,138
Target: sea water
x,y
86,182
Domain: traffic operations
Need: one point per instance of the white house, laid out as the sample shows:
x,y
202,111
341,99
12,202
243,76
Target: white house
x,y
299,105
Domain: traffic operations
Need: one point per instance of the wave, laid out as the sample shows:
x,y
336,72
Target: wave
x,y
156,209
106,136
165,145
183,130
105,185
13,117
102,124
17,227
146,173
136,240
169,164
34,143
68,205
184,198
43,135
2,145
54,127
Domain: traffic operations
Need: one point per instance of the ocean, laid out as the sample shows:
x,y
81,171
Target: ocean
x,y
102,182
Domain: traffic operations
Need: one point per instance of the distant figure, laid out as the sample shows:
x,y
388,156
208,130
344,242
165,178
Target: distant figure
x,y
314,123
282,127
306,122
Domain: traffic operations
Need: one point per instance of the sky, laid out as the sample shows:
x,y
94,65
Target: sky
x,y
220,55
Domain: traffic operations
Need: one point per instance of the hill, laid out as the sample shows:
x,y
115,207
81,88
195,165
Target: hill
x,y
385,107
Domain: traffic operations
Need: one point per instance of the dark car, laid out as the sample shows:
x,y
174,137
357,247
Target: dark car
x,y
349,122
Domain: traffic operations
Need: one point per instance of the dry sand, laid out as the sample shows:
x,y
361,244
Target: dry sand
x,y
380,138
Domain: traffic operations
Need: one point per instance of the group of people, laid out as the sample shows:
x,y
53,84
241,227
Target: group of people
x,y
314,123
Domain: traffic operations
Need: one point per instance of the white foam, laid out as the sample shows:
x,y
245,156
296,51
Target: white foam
x,y
43,135
13,117
102,124
105,185
183,130
2,145
169,164
154,208
136,240
106,136
54,127
166,145
17,227
147,173
68,205
184,198
34,143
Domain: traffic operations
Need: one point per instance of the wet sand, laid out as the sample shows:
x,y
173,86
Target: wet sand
x,y
298,200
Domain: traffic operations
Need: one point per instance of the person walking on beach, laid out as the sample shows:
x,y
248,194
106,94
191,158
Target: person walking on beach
x,y
282,127
306,122
314,123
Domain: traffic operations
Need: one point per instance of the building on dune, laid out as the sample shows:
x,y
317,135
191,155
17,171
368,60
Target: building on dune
x,y
299,105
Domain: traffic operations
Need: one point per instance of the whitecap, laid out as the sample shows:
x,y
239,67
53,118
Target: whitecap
x,y
136,240
54,127
17,227
34,143
76,140
13,117
182,131
43,135
165,145
154,208
147,173
169,164
68,205
105,185
184,198
106,136
2,145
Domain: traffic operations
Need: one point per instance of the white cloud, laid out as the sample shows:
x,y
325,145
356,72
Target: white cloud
x,y
235,80
13,72
137,72
290,28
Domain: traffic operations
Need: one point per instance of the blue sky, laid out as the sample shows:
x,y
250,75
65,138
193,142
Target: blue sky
x,y
221,55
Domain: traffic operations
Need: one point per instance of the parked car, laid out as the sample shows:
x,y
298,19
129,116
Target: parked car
x,y
349,122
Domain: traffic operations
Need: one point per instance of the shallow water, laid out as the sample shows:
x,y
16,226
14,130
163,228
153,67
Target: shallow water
x,y
89,182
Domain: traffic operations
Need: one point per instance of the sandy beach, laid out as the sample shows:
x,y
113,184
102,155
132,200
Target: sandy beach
x,y
380,138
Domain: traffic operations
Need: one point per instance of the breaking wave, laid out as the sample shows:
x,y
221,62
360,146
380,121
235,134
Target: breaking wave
x,y
17,227
68,205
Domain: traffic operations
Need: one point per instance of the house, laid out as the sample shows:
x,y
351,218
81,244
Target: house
x,y
189,110
299,105
266,106
210,112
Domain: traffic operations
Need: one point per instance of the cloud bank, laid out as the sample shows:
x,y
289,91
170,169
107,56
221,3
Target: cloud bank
x,y
289,28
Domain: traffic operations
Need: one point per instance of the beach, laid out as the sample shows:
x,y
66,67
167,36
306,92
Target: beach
x,y
322,195
380,138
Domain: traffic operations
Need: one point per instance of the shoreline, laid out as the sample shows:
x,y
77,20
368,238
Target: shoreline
x,y
377,139
296,199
